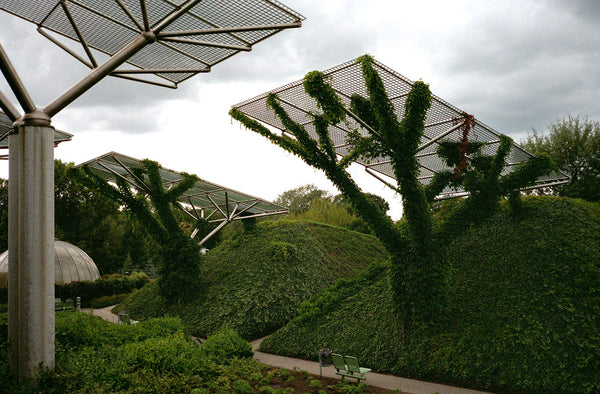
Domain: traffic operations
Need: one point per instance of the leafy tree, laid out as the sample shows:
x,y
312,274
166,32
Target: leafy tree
x,y
335,213
300,199
155,207
375,199
574,145
88,220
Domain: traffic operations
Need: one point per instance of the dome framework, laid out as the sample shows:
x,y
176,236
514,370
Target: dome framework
x,y
71,264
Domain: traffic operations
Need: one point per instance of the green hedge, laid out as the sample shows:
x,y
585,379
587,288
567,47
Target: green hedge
x,y
108,285
524,309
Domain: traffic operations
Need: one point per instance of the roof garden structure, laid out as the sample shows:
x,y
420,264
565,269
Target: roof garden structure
x,y
204,200
162,42
444,122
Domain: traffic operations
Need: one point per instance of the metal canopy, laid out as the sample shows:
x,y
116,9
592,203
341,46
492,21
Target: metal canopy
x,y
191,36
443,122
166,41
207,200
6,128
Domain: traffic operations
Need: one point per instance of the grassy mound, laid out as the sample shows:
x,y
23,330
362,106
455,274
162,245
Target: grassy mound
x,y
255,282
524,312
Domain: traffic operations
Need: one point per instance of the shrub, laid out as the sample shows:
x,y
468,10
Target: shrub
x,y
242,386
108,285
3,327
145,303
79,330
225,345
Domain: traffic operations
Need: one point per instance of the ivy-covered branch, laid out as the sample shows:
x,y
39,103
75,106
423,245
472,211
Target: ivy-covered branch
x,y
180,255
419,276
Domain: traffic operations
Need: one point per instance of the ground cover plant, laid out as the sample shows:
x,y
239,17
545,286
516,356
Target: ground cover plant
x,y
158,356
255,281
524,308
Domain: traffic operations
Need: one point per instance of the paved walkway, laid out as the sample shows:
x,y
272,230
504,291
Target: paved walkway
x,y
373,379
389,382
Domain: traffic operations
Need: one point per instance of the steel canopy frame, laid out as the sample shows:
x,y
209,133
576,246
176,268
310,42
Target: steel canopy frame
x,y
7,128
443,122
168,41
204,200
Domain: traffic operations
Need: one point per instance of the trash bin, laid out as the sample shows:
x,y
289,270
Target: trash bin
x,y
325,357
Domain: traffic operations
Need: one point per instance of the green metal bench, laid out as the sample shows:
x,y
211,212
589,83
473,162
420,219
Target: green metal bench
x,y
347,366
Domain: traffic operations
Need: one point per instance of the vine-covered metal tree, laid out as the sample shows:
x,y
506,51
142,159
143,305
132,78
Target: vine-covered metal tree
x,y
179,273
419,269
419,274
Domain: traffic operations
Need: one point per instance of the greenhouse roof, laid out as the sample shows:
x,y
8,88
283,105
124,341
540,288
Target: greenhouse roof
x,y
188,37
443,123
207,200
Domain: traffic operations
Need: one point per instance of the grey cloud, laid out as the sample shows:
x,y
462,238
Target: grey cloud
x,y
130,119
516,71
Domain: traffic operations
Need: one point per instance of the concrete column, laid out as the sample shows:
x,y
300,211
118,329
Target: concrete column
x,y
31,246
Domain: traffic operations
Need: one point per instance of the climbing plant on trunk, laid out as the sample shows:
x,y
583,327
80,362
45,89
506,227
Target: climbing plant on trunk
x,y
419,276
179,273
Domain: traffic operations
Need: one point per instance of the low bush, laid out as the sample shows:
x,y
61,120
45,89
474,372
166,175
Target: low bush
x,y
225,345
79,330
144,303
3,326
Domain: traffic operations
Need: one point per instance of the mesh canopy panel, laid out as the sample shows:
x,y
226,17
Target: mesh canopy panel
x,y
347,80
204,199
6,126
207,33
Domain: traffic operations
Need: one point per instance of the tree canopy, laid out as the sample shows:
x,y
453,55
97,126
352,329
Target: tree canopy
x,y
300,199
574,145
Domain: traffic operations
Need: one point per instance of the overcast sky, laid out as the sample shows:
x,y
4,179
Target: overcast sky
x,y
515,65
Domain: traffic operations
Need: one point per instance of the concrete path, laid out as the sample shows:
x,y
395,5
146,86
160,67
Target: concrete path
x,y
104,313
373,379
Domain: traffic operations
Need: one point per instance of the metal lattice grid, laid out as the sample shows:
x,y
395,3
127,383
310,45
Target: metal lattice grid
x,y
207,200
191,36
442,122
6,128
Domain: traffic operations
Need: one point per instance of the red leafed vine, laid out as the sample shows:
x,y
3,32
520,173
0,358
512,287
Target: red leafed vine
x,y
468,122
